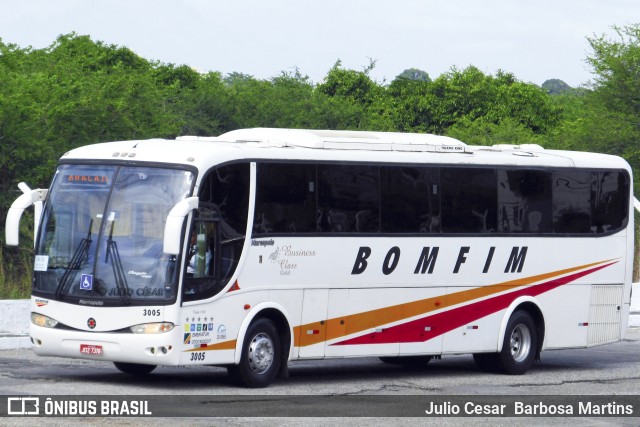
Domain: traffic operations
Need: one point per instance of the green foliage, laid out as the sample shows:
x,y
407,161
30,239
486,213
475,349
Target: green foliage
x,y
17,263
525,103
616,65
607,117
282,101
79,91
483,132
363,102
412,105
201,108
459,94
356,86
556,87
72,93
461,97
414,74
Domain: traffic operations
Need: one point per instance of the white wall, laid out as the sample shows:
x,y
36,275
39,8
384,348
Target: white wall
x,y
14,324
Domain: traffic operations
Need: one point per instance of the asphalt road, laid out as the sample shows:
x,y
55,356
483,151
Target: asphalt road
x,y
608,370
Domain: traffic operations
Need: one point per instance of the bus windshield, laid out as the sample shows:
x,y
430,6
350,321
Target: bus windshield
x,y
101,239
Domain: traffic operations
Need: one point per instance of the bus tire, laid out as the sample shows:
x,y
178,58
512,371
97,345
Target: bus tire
x,y
407,361
134,368
519,346
261,356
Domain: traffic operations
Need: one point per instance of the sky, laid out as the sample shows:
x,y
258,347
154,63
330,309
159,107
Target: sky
x,y
535,40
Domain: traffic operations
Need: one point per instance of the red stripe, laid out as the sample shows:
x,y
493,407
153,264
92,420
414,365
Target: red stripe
x,y
441,323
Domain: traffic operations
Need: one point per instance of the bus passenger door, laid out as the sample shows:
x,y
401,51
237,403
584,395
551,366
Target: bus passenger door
x,y
313,329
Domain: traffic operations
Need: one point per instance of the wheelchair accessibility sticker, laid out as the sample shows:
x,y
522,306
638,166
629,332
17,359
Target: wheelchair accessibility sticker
x,y
86,282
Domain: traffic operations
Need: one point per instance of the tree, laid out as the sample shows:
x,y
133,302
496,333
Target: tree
x,y
484,132
414,74
457,94
411,105
470,95
365,100
357,86
613,119
616,65
74,92
203,106
525,103
555,87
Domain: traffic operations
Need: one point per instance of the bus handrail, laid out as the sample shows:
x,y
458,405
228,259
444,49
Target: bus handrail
x,y
174,223
29,197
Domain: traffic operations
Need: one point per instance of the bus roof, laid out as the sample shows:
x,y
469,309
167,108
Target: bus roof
x,y
343,139
331,145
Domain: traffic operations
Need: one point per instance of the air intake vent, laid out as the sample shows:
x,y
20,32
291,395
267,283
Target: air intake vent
x,y
605,314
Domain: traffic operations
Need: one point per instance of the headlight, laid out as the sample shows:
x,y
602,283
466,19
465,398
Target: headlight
x,y
42,320
152,328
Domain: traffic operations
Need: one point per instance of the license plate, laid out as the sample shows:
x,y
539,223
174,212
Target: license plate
x,y
93,350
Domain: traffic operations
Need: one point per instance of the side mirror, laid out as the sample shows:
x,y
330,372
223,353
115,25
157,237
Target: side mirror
x,y
28,198
175,220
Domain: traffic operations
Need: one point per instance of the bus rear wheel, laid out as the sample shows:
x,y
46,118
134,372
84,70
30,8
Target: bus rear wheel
x,y
134,368
518,347
261,356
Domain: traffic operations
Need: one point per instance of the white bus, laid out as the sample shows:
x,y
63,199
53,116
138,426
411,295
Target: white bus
x,y
264,246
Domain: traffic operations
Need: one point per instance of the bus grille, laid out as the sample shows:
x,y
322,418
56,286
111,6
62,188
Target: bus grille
x,y
605,313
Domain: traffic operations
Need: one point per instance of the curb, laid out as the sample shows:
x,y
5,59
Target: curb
x,y
12,342
632,334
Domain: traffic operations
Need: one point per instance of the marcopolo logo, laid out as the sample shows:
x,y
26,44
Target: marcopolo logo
x,y
91,323
23,406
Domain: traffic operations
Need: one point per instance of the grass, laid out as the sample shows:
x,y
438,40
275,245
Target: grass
x,y
16,270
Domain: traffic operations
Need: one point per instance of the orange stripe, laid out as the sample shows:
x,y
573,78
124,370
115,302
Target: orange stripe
x,y
346,325
224,345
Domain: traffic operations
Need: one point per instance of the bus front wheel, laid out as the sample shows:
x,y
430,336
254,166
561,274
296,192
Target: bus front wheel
x,y
261,356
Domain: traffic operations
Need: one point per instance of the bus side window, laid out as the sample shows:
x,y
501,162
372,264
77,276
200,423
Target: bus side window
x,y
469,200
285,198
348,199
524,201
410,199
609,201
572,201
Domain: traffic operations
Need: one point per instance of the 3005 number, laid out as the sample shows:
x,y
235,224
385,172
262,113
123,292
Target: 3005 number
x,y
151,312
195,357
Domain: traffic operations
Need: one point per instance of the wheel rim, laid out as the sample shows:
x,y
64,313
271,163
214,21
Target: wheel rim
x,y
261,353
520,343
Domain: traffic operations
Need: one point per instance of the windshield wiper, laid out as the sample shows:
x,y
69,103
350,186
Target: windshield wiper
x,y
81,253
116,264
